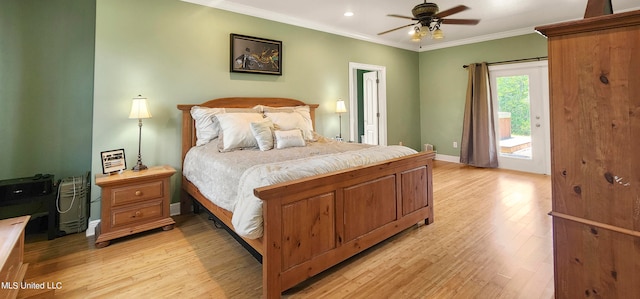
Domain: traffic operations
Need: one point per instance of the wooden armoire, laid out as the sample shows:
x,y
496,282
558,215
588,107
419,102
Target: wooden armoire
x,y
594,77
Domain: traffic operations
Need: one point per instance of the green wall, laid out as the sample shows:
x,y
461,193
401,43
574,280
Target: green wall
x,y
46,87
443,84
175,52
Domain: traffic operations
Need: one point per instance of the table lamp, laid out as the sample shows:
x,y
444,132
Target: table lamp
x,y
340,108
139,110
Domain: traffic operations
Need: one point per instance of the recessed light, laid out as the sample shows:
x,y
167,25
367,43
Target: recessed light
x,y
348,14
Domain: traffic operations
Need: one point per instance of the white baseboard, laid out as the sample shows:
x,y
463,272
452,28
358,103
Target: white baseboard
x,y
91,230
447,158
174,209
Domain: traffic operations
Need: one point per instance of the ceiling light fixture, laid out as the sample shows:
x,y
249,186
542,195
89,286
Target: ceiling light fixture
x,y
429,18
348,14
432,30
438,34
416,36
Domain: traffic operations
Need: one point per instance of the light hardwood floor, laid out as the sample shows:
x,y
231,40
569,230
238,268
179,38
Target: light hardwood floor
x,y
491,239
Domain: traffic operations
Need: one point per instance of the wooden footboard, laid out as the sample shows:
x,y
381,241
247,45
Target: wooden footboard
x,y
314,223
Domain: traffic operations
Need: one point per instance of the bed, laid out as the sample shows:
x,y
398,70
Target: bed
x,y
312,223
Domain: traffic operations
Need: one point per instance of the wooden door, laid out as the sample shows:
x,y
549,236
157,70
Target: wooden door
x,y
371,113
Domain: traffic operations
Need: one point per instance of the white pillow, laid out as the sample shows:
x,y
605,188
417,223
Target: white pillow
x,y
263,132
289,138
289,118
235,130
206,129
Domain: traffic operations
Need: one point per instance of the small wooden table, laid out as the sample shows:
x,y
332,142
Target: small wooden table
x,y
133,202
12,268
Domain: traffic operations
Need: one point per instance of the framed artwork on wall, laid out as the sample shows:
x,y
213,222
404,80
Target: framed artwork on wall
x,y
113,161
255,55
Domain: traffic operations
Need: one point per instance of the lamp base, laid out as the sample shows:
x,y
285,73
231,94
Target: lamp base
x,y
139,167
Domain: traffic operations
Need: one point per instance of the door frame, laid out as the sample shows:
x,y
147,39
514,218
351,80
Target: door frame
x,y
542,89
353,100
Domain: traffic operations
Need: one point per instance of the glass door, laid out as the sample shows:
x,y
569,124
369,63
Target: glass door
x,y
520,94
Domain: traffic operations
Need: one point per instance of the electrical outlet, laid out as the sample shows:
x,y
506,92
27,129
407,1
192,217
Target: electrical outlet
x,y
455,144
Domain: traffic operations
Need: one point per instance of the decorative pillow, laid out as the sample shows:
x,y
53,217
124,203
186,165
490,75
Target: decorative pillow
x,y
235,130
289,118
263,132
206,129
289,138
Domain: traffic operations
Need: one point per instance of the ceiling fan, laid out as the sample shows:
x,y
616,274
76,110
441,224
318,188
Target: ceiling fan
x,y
428,17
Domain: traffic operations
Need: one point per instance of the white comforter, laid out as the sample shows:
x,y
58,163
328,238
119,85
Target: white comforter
x,y
228,179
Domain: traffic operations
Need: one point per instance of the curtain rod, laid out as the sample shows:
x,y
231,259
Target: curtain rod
x,y
515,60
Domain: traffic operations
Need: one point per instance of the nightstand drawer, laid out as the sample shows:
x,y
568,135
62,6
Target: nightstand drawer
x,y
137,214
136,193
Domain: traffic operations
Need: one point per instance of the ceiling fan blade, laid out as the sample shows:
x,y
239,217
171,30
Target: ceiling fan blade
x,y
461,21
394,29
400,16
450,11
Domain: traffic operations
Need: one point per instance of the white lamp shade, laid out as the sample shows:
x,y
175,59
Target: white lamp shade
x,y
340,107
139,108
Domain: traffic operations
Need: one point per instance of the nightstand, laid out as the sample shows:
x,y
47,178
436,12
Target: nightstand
x,y
133,202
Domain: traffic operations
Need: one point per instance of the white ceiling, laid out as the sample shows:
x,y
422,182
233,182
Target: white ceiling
x,y
499,18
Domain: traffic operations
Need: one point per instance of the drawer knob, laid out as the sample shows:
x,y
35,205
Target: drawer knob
x,y
138,213
138,193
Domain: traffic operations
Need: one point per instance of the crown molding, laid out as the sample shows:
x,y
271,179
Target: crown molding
x,y
494,36
281,18
477,39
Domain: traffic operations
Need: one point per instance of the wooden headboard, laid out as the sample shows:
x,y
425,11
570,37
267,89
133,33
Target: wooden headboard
x,y
188,124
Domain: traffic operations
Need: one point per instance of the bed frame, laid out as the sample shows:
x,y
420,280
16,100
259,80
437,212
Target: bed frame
x,y
314,223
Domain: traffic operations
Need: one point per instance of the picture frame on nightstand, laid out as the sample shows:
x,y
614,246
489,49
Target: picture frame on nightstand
x,y
113,161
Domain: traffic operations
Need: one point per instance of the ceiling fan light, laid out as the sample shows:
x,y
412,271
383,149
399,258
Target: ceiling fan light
x,y
438,34
416,37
